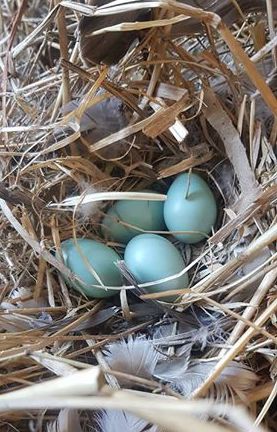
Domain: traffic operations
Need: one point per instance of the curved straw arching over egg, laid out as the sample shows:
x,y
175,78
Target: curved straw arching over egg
x,y
128,218
150,257
93,263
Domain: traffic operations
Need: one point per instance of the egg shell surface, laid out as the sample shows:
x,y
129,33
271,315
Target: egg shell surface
x,y
82,257
190,206
146,215
151,257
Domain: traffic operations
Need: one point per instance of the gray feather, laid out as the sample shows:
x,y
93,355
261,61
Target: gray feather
x,y
235,377
103,118
135,356
173,369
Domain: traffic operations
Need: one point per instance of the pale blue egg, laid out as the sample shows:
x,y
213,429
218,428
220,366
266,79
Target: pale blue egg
x,y
146,215
150,257
82,257
190,206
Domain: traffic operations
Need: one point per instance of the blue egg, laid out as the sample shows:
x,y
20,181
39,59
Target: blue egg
x,y
190,206
91,261
146,215
150,257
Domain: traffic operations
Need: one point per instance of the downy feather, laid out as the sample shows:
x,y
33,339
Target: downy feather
x,y
134,356
173,369
14,321
201,334
103,118
236,377
67,421
87,210
122,421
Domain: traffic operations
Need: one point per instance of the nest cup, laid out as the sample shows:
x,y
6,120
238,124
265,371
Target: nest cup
x,y
99,103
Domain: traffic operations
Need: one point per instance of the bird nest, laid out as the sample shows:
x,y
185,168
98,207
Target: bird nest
x,y
185,89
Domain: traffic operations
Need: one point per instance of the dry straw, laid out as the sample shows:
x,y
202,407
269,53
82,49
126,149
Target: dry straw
x,y
196,91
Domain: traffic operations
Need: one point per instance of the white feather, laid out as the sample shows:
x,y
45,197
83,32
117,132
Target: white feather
x,y
134,356
67,421
122,421
86,210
